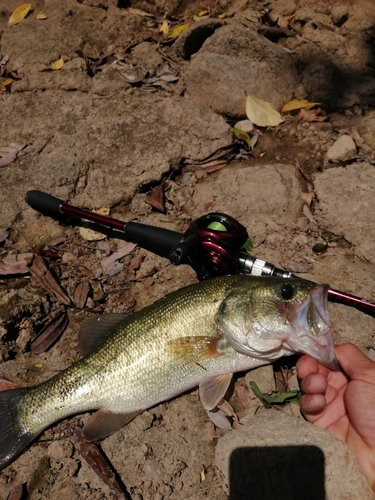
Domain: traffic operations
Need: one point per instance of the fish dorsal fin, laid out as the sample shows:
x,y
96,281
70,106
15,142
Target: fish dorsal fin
x,y
213,389
103,423
95,330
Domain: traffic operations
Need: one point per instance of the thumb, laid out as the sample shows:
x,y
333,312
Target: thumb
x,y
356,364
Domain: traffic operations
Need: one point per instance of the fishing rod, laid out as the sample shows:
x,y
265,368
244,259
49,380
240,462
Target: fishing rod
x,y
212,245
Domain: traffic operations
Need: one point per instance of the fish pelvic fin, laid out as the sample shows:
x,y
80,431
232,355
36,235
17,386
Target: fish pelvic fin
x,y
14,437
212,390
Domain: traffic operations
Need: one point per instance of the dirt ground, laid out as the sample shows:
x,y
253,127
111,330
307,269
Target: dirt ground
x,y
130,111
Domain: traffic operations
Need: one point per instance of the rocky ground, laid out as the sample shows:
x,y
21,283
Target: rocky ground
x,y
130,111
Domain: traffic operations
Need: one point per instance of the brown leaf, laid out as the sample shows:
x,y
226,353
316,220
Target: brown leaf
x,y
135,263
45,279
208,206
15,264
9,153
16,493
6,385
307,198
85,271
315,116
156,199
140,12
108,263
46,252
81,293
50,333
224,153
9,158
210,167
91,453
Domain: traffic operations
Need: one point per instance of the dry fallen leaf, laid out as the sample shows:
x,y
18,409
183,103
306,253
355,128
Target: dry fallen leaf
x,y
9,153
315,116
108,262
50,333
41,16
89,234
307,198
298,104
164,28
176,32
15,264
45,279
6,82
80,294
16,493
58,64
92,455
156,198
200,18
6,385
19,14
261,113
140,12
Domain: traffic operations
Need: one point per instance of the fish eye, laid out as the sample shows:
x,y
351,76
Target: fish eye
x,y
286,291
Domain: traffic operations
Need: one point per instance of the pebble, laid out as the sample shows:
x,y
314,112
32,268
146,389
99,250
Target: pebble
x,y
342,149
68,257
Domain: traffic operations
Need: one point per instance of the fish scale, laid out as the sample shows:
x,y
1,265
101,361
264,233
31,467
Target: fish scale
x,y
199,335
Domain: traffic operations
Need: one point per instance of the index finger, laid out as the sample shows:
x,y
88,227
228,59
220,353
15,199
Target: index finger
x,y
307,365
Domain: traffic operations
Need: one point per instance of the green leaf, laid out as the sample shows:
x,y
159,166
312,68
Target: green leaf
x,y
242,136
248,246
282,398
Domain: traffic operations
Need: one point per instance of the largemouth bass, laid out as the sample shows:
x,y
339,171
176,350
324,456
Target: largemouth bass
x,y
198,335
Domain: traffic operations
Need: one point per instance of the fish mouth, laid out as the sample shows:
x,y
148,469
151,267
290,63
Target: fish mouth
x,y
311,322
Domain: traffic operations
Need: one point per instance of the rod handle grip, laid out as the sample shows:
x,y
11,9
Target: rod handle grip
x,y
43,202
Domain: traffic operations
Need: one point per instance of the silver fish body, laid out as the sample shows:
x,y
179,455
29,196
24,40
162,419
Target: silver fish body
x,y
199,335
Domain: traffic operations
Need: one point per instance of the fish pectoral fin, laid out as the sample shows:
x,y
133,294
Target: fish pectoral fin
x,y
193,349
213,389
103,423
95,330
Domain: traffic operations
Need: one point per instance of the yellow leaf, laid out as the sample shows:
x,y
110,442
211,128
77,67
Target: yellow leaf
x,y
6,82
177,31
91,235
41,16
164,28
261,113
197,18
58,64
102,211
222,16
19,14
203,12
298,104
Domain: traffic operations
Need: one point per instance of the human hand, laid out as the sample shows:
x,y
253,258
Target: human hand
x,y
343,402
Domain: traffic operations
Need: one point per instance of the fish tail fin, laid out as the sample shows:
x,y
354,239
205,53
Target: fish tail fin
x,y
14,437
